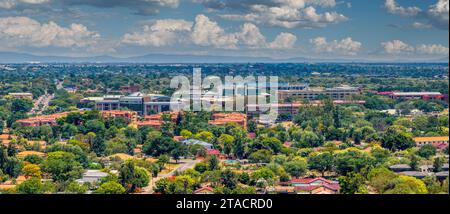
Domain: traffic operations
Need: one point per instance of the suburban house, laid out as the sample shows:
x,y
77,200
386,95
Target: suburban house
x,y
198,142
221,119
400,168
92,176
42,120
204,191
128,116
315,186
423,171
156,120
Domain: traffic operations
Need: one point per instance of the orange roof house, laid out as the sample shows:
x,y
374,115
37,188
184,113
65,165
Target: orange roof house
x,y
129,116
5,139
153,123
26,153
204,190
221,119
43,120
159,117
156,120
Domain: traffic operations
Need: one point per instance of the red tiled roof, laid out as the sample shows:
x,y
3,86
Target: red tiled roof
x,y
251,135
213,152
310,180
440,145
178,138
209,189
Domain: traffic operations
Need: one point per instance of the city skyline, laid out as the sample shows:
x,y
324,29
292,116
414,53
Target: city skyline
x,y
277,29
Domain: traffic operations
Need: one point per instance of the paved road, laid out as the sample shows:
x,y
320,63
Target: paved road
x,y
43,101
185,164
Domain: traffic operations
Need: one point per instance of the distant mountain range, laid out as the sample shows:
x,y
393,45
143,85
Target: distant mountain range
x,y
9,57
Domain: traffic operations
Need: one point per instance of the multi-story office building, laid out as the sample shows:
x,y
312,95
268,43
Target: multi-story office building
x,y
143,104
337,93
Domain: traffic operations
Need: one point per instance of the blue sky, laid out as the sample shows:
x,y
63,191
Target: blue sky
x,y
328,29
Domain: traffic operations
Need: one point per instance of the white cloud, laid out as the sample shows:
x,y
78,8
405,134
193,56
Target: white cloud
x,y
283,41
7,4
161,33
397,47
345,46
251,36
439,14
279,13
420,25
433,49
392,7
23,31
142,7
207,33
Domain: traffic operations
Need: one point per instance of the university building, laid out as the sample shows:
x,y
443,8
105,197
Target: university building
x,y
336,93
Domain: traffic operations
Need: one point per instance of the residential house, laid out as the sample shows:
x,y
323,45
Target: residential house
x,y
315,186
198,142
204,191
92,176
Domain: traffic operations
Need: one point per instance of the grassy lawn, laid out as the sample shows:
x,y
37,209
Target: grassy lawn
x,y
169,168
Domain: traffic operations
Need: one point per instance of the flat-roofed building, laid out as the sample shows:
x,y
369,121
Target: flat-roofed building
x,y
254,110
109,102
21,95
337,93
141,103
439,142
414,95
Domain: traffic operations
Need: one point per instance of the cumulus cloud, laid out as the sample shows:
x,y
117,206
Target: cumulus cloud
x,y
142,7
283,41
251,36
433,49
7,4
397,47
161,33
392,7
279,13
345,46
207,33
23,31
437,15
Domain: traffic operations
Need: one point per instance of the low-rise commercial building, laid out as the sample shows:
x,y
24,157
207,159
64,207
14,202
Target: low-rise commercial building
x,y
141,103
337,93
439,142
414,95
21,95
